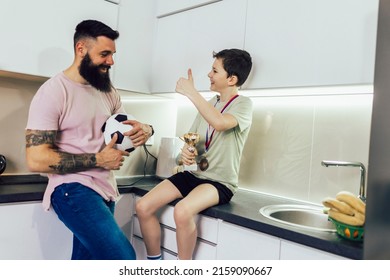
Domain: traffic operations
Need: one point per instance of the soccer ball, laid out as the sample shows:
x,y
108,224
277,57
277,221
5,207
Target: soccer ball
x,y
114,125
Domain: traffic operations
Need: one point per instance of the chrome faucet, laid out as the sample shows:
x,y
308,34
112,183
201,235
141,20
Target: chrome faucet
x,y
362,190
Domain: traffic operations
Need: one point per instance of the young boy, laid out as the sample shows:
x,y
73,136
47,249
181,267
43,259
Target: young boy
x,y
223,124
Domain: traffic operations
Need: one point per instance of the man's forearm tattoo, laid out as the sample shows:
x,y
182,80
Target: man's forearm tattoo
x,y
74,163
68,162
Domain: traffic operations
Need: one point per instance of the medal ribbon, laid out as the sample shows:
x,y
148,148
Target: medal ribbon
x,y
208,141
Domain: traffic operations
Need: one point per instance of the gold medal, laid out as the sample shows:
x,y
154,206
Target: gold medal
x,y
203,164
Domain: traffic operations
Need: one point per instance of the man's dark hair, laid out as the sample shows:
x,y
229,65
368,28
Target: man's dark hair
x,y
93,29
236,62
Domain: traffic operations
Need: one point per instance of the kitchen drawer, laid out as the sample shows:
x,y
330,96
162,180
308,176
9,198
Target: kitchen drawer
x,y
294,251
203,250
207,227
139,247
168,236
240,243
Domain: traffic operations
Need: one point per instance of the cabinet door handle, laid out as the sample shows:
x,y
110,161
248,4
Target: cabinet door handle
x,y
113,1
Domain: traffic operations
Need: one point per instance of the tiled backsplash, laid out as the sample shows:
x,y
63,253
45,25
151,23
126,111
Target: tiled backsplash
x,y
15,98
290,135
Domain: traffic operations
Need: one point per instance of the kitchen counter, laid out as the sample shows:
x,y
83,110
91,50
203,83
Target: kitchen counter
x,y
22,188
243,210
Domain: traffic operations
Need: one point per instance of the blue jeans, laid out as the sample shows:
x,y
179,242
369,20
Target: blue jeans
x,y
96,235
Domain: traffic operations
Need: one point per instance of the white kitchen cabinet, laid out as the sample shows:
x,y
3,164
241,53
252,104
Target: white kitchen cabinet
x,y
205,248
38,35
239,243
236,242
133,59
31,233
28,232
187,40
34,234
311,42
124,211
294,251
166,7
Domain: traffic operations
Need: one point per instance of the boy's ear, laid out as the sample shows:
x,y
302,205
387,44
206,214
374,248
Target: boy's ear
x,y
232,80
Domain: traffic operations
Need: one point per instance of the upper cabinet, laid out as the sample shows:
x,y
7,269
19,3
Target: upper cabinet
x,y
311,42
38,35
187,40
167,7
294,43
136,25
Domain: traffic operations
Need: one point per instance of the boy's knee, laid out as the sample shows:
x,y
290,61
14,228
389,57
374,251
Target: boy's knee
x,y
140,208
181,214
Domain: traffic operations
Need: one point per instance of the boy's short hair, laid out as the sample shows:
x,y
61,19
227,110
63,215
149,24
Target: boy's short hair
x,y
235,62
93,29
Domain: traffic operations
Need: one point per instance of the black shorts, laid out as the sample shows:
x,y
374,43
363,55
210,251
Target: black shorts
x,y
185,182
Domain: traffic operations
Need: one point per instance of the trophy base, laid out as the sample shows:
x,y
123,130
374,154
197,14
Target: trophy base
x,y
177,169
192,167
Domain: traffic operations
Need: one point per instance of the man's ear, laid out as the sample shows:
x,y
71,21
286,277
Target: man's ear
x,y
81,48
232,80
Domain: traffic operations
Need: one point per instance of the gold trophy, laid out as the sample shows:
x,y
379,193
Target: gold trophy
x,y
191,139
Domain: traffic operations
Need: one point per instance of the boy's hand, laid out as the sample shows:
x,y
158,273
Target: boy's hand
x,y
186,86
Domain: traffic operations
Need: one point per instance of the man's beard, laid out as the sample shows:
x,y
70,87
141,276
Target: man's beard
x,y
92,74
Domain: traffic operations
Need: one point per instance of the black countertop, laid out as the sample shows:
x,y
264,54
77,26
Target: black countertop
x,y
243,210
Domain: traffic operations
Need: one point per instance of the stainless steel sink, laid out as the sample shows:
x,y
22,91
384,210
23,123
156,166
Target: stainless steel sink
x,y
309,217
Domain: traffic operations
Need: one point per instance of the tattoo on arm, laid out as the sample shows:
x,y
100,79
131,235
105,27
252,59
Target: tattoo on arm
x,y
40,137
68,163
74,163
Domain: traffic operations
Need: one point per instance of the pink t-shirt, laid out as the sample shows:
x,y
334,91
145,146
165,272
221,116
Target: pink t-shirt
x,y
77,112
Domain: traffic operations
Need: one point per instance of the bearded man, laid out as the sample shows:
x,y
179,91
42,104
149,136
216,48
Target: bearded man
x,y
64,140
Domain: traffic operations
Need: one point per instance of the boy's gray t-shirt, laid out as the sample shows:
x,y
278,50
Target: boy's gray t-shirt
x,y
225,149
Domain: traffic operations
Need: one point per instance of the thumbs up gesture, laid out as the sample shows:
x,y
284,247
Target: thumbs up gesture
x,y
186,86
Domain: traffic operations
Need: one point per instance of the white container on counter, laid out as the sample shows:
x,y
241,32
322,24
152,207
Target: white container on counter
x,y
166,159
